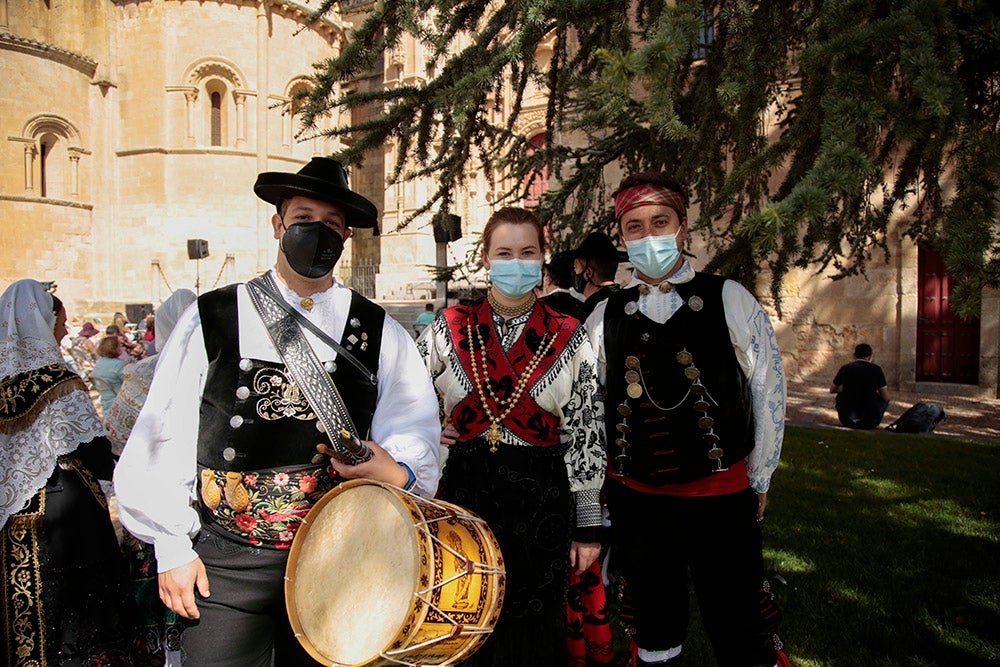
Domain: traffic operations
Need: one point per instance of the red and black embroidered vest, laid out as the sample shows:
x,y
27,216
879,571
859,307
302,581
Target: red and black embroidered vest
x,y
499,371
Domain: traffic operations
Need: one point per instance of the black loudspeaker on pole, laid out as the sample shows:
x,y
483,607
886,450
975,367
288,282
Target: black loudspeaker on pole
x,y
197,249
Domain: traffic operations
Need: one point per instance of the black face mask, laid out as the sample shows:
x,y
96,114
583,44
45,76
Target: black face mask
x,y
311,248
580,281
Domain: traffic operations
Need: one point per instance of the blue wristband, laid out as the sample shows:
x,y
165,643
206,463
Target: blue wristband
x,y
411,479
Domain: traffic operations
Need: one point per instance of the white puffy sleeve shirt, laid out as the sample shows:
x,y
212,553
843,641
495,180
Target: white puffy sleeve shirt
x,y
756,350
155,478
568,391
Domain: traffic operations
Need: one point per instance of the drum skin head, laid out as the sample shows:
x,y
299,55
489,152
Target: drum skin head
x,y
354,576
380,577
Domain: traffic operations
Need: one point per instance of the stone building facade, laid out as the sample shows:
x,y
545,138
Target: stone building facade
x,y
128,127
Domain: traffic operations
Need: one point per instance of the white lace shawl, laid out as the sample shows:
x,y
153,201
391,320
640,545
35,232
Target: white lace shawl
x,y
27,342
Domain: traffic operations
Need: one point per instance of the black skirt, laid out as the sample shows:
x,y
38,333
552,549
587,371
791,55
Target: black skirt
x,y
63,577
522,493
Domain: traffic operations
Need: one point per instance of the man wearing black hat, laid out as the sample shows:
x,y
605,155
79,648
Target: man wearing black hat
x,y
595,262
221,466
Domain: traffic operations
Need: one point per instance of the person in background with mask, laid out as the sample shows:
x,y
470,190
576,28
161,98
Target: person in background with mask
x,y
695,412
226,435
595,263
518,389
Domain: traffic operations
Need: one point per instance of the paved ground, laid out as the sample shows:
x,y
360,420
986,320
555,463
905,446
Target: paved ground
x,y
976,418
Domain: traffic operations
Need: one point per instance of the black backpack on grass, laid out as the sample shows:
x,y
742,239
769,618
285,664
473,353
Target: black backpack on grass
x,y
921,418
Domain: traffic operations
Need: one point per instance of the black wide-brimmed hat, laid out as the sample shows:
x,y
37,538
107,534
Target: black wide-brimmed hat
x,y
324,179
598,245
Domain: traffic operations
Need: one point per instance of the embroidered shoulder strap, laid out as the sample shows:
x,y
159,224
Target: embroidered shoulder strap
x,y
307,371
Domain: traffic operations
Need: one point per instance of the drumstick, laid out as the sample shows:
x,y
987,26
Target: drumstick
x,y
351,451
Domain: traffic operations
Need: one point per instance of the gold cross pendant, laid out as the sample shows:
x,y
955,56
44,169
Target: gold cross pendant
x,y
493,437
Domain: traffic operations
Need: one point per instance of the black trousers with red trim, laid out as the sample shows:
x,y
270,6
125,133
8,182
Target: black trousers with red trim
x,y
657,539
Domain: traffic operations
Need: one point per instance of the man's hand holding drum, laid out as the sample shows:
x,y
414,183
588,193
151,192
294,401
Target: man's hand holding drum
x,y
381,466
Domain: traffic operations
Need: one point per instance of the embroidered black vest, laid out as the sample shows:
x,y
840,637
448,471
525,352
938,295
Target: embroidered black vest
x,y
670,444
253,416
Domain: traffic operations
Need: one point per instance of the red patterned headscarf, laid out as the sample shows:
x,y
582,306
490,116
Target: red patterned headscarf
x,y
648,194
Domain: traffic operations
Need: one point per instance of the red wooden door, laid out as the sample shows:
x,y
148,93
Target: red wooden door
x,y
538,182
947,346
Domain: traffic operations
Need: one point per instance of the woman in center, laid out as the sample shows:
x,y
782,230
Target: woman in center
x,y
518,389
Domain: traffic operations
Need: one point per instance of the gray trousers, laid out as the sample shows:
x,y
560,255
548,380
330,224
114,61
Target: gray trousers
x,y
243,622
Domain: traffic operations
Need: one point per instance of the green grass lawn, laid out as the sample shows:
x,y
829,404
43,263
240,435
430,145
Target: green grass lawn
x,y
890,547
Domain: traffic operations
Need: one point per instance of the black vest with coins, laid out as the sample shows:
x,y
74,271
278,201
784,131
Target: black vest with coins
x,y
253,416
677,402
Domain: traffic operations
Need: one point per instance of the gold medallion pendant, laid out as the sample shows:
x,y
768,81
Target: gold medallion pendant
x,y
493,436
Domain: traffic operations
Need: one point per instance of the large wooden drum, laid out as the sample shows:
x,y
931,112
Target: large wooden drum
x,y
379,576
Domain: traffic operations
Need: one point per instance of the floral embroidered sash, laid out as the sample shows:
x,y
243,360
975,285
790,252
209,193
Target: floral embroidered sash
x,y
503,369
265,508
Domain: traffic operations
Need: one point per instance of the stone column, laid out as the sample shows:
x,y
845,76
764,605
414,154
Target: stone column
x,y
190,97
240,98
74,173
30,150
287,121
264,211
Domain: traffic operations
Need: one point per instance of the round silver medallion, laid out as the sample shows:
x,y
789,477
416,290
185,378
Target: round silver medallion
x,y
320,427
330,366
631,308
229,453
245,365
695,303
236,421
242,393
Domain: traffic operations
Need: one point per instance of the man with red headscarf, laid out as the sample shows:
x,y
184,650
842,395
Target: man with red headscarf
x,y
695,405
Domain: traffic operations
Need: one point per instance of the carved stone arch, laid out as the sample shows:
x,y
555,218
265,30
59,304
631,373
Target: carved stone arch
x,y
52,157
297,82
299,146
530,122
214,67
50,123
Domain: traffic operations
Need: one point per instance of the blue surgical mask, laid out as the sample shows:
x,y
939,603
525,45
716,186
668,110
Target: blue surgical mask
x,y
515,277
654,256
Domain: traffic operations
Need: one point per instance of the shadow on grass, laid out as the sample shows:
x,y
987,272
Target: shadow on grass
x,y
889,545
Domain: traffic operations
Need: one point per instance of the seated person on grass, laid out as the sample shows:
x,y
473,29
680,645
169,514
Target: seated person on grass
x,y
862,395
